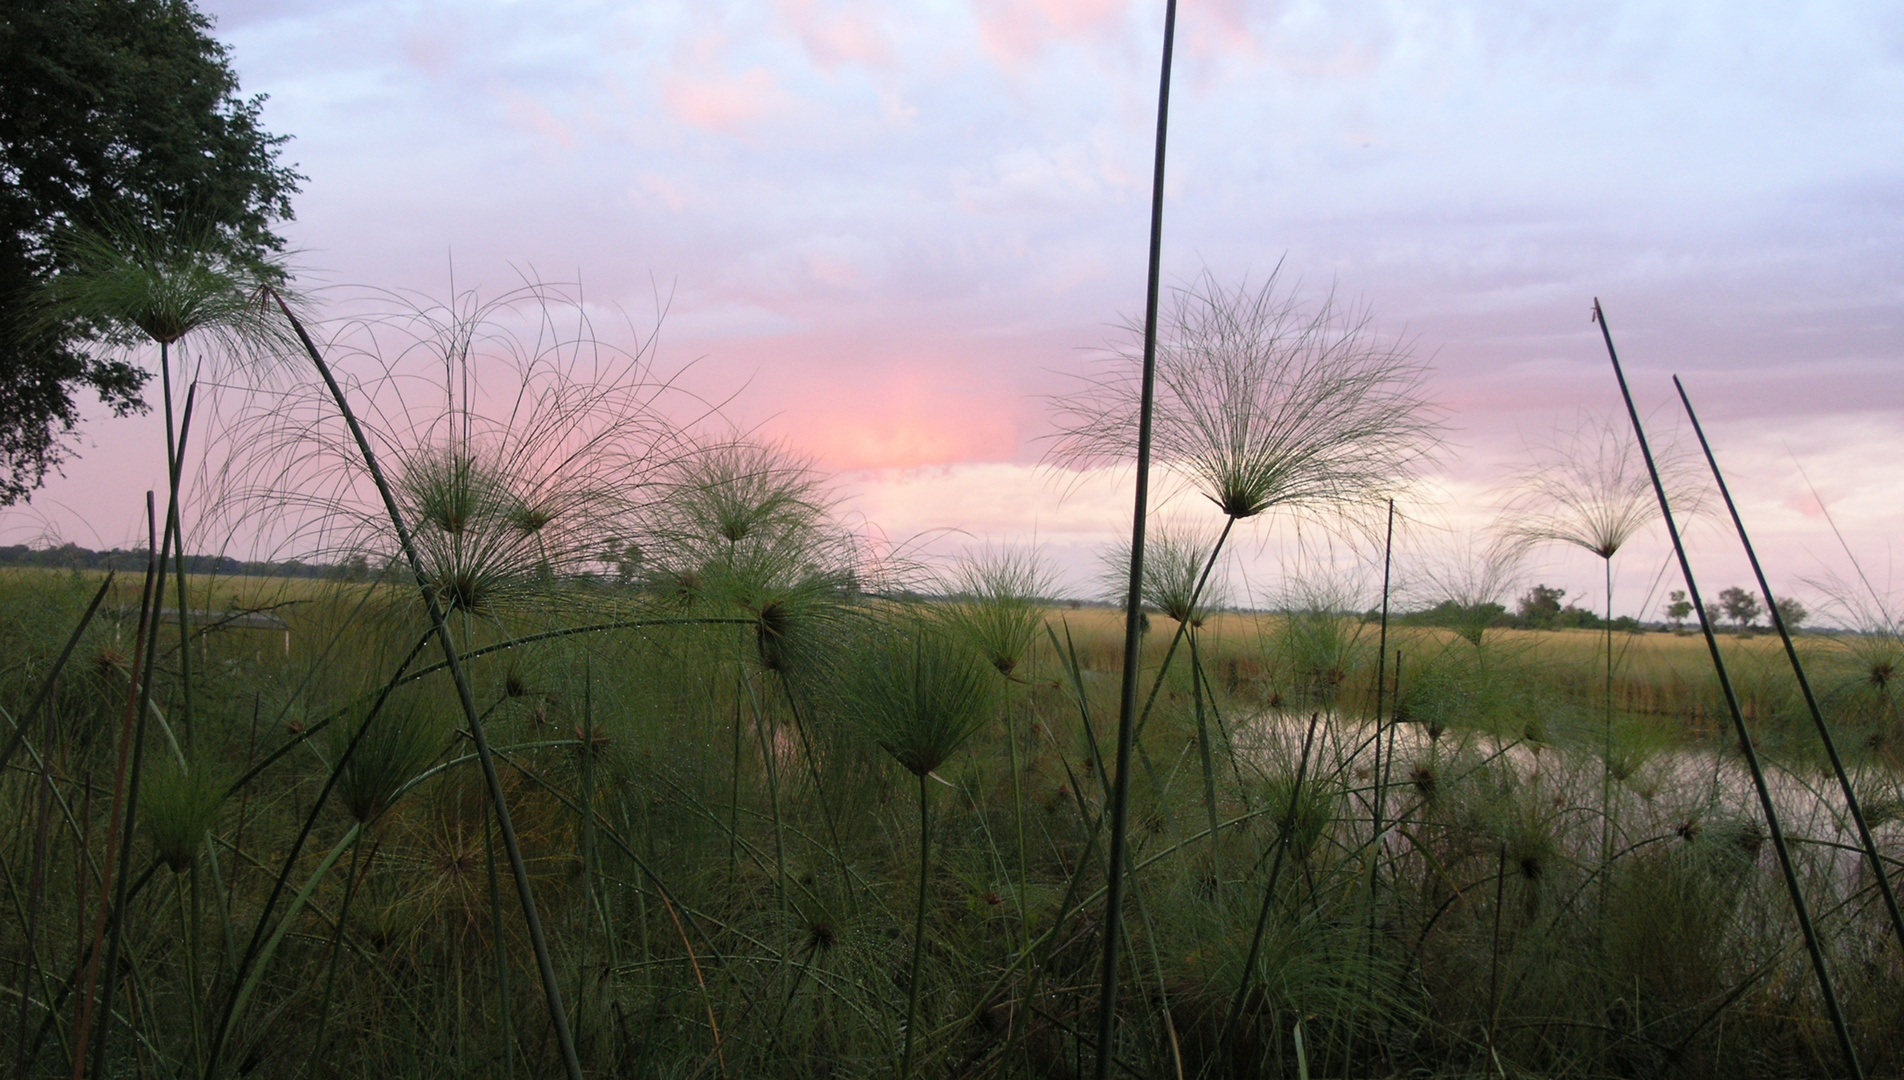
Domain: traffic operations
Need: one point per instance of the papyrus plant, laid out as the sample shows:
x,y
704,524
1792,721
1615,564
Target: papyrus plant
x,y
919,692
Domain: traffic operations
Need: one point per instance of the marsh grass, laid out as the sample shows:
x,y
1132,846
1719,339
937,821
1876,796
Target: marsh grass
x,y
617,753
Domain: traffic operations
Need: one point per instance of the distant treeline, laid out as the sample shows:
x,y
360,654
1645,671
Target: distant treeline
x,y
74,557
1539,608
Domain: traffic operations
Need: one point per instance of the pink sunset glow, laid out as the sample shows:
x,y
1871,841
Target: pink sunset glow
x,y
883,232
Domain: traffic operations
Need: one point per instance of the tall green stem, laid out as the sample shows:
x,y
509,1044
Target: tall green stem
x,y
174,516
186,915
1134,599
1378,805
733,789
1494,947
242,963
1287,827
34,965
1606,750
124,805
504,997
1196,595
1209,764
773,796
330,967
918,926
1018,817
591,867
243,996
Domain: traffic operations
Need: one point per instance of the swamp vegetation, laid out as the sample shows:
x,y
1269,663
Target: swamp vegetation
x,y
616,748
718,790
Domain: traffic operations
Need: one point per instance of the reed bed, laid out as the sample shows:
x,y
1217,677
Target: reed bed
x,y
728,864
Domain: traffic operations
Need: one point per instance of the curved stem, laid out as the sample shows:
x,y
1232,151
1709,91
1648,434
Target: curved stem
x,y
773,797
337,942
503,996
53,674
252,948
558,1016
243,996
174,521
188,932
819,789
1378,804
401,678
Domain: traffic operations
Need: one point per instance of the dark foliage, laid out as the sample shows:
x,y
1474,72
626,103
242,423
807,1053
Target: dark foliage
x,y
1540,605
114,114
1740,606
74,557
1539,608
1452,613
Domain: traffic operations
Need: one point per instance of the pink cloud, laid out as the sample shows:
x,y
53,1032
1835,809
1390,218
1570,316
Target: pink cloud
x,y
835,34
901,414
906,423
837,272
1016,30
434,42
668,191
1215,27
431,52
874,396
531,115
725,104
1807,505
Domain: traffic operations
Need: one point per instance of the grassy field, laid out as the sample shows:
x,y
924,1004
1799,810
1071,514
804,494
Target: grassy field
x,y
718,794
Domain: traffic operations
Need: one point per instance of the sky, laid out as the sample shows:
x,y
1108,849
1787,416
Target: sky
x,y
886,232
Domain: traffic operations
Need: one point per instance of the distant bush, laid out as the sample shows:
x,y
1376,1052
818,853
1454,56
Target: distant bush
x,y
1539,608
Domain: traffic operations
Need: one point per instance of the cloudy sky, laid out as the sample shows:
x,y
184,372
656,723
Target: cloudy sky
x,y
893,227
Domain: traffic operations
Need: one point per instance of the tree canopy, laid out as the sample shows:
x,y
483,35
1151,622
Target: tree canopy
x,y
1741,606
115,115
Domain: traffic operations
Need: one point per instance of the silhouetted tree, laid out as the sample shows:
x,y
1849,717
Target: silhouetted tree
x,y
1539,606
1740,606
1678,609
113,114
